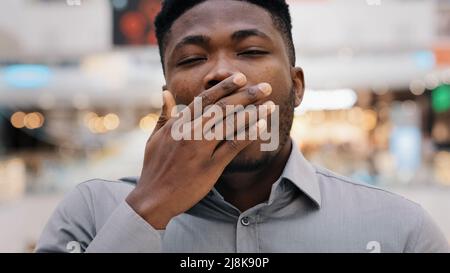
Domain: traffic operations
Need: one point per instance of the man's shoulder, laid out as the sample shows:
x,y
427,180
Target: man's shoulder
x,y
101,190
102,184
336,186
376,207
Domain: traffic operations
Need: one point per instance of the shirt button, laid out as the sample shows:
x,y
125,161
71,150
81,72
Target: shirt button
x,y
245,221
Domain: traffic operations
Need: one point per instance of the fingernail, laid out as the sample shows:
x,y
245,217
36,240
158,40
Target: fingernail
x,y
265,88
239,79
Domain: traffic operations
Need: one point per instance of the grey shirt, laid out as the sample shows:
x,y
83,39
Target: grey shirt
x,y
310,209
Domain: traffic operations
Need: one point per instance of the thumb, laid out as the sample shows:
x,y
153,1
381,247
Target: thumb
x,y
168,104
167,108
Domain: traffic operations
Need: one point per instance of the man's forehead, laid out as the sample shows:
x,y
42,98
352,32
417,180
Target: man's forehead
x,y
209,15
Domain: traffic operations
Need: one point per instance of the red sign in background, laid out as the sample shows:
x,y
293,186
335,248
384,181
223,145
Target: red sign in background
x,y
133,21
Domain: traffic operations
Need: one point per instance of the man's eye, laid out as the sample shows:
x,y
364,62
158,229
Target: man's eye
x,y
191,60
252,53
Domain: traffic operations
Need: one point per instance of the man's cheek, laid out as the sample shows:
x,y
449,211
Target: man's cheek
x,y
183,91
279,94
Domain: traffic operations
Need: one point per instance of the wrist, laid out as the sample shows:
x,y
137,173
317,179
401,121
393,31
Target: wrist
x,y
152,212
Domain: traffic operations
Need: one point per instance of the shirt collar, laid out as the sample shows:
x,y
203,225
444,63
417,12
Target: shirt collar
x,y
299,172
302,174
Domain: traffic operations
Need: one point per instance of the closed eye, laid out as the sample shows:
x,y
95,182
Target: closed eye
x,y
190,60
253,52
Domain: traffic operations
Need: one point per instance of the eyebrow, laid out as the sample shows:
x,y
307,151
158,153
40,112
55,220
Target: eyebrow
x,y
199,40
203,40
246,33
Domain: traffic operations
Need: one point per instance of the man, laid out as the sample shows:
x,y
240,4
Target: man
x,y
228,195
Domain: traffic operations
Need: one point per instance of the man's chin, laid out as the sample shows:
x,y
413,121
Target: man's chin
x,y
250,159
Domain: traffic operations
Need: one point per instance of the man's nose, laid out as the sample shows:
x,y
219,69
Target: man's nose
x,y
219,73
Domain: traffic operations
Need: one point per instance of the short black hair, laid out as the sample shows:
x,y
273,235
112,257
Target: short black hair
x,y
172,9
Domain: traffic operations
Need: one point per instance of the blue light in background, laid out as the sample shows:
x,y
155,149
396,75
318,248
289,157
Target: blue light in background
x,y
26,76
406,147
425,59
119,4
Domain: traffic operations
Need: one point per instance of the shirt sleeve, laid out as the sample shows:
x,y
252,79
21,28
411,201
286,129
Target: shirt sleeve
x,y
427,237
72,228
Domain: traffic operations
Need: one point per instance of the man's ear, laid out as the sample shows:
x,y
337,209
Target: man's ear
x,y
298,81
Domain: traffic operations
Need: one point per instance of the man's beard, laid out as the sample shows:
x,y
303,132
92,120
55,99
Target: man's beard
x,y
244,163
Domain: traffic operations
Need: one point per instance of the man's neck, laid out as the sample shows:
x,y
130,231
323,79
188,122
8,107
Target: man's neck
x,y
245,190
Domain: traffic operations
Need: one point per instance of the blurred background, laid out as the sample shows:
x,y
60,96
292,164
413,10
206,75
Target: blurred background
x,y
80,91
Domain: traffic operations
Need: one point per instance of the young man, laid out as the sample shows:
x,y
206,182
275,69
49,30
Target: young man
x,y
229,195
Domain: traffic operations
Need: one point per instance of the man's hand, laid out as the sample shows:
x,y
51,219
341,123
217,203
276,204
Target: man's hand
x,y
178,174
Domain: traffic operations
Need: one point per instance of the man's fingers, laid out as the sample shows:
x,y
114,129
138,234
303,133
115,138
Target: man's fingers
x,y
215,93
227,127
230,125
242,99
229,149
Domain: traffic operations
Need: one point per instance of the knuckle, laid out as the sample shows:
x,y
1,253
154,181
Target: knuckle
x,y
234,145
207,98
252,93
222,104
228,86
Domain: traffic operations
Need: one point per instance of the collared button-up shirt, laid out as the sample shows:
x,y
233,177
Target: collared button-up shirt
x,y
310,209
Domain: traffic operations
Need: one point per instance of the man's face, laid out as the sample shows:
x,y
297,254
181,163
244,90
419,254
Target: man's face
x,y
227,37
